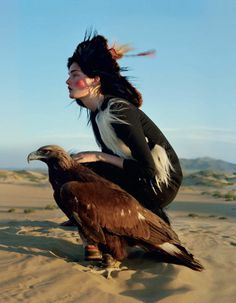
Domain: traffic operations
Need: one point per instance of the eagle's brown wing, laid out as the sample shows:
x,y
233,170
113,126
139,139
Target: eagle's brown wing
x,y
113,209
63,206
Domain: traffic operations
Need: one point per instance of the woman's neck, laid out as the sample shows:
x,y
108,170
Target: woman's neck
x,y
92,101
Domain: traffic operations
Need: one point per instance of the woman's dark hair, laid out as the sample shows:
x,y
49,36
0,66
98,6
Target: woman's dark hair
x,y
95,59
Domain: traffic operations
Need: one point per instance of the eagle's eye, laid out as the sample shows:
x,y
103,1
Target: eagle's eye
x,y
46,151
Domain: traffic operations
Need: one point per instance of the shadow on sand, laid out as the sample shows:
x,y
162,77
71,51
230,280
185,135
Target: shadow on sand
x,y
152,280
147,278
36,238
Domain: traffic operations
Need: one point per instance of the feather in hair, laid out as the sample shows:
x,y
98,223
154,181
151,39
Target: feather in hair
x,y
150,53
118,51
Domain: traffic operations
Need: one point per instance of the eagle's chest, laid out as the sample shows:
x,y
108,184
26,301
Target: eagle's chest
x,y
58,178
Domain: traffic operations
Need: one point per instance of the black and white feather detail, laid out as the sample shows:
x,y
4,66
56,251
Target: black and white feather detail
x,y
104,120
163,165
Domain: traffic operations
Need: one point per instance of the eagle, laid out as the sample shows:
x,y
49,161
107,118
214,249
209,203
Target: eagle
x,y
106,215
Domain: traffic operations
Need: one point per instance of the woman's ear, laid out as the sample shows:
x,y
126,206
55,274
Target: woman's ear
x,y
96,81
95,85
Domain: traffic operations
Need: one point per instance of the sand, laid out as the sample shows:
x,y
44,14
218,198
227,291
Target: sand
x,y
41,261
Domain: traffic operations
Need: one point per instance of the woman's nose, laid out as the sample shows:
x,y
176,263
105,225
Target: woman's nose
x,y
67,81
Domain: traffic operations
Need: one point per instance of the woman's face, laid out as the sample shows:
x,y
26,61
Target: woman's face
x,y
79,84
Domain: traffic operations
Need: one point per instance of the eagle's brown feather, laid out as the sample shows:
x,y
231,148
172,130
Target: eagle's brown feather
x,y
111,208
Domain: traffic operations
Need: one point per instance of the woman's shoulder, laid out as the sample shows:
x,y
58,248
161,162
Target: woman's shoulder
x,y
116,104
117,110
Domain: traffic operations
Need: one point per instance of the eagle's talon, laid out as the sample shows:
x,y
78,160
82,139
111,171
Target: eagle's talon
x,y
107,267
106,272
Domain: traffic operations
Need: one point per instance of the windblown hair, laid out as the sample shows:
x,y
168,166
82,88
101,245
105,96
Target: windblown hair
x,y
96,59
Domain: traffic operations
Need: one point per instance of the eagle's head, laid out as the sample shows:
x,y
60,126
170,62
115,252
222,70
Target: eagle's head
x,y
52,154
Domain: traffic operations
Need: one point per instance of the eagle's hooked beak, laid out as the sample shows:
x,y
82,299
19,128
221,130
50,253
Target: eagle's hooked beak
x,y
34,156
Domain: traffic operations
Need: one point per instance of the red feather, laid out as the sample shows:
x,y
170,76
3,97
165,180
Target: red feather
x,y
150,53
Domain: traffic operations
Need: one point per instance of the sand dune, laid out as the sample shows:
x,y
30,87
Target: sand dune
x,y
23,177
41,261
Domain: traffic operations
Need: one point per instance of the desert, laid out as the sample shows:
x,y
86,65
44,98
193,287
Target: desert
x,y
42,261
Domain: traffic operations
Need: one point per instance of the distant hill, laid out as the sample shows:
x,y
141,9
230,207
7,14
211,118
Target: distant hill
x,y
188,166
23,177
208,172
192,177
210,179
197,172
206,164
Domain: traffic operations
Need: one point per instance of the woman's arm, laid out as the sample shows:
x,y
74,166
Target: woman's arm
x,y
131,133
85,157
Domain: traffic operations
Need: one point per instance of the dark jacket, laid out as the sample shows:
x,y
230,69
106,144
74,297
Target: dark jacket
x,y
151,169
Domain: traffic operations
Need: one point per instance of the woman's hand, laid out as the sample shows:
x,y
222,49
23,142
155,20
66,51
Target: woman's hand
x,y
88,156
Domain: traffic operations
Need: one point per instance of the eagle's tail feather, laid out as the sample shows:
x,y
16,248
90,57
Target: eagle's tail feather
x,y
179,255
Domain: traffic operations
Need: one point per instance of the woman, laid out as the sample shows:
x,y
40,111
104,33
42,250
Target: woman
x,y
134,152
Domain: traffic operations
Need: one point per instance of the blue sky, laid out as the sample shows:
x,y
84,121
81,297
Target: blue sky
x,y
189,87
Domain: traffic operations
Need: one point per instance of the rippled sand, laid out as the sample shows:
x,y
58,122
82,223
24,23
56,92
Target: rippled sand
x,y
41,261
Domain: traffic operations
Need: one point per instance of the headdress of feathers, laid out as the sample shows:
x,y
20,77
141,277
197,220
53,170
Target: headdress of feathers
x,y
96,58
